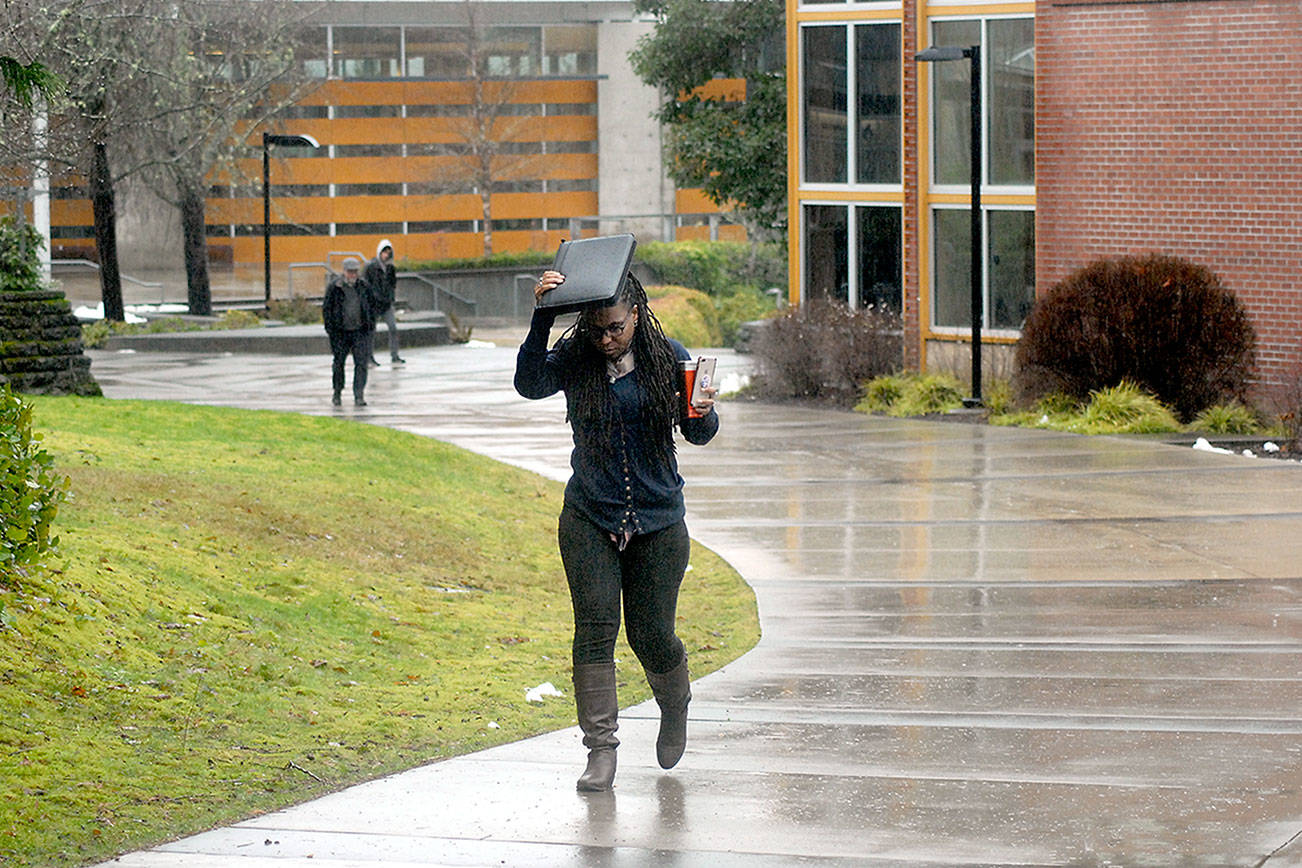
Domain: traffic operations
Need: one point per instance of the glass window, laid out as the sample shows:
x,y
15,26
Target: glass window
x,y
446,110
952,105
441,226
881,272
570,50
570,147
1009,268
310,51
368,228
827,241
368,189
437,52
511,51
570,185
367,150
1011,68
877,103
1012,267
368,111
367,52
826,124
952,302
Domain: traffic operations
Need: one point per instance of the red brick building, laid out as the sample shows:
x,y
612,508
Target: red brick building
x,y
1176,127
1109,128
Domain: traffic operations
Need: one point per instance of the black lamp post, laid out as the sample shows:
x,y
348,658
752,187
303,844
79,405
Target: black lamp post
x,y
269,139
973,53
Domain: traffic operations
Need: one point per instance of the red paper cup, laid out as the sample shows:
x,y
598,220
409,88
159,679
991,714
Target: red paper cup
x,y
689,380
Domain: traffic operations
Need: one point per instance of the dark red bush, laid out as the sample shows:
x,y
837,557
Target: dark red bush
x,y
1167,324
824,351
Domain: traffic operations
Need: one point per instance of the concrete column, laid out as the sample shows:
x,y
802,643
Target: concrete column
x,y
631,176
41,191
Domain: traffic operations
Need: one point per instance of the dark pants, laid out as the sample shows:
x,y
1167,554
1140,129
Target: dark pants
x,y
357,342
647,574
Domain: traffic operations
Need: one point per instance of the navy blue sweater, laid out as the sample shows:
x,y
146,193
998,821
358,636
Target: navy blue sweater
x,y
637,493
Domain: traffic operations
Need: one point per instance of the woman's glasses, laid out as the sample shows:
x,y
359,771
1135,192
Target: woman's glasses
x,y
614,330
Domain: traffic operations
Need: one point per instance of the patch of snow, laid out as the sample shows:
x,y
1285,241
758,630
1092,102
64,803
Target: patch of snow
x,y
1270,446
474,343
732,381
97,312
537,694
1202,445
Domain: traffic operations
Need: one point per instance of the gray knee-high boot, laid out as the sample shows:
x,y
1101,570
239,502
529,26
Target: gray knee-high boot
x,y
597,702
673,691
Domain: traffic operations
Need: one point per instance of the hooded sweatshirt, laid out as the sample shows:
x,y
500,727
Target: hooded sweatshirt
x,y
382,277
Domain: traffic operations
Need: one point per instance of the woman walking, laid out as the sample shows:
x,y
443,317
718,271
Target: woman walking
x,y
621,531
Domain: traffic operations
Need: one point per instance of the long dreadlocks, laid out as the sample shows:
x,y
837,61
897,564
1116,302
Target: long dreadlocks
x,y
588,402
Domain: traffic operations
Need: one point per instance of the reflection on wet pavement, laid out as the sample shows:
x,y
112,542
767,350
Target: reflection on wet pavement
x,y
981,646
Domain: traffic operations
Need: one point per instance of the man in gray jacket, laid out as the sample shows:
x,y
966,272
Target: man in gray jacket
x,y
349,315
383,280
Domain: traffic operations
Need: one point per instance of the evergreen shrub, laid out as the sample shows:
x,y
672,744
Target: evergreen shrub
x,y
716,267
30,492
1166,324
824,351
686,315
20,269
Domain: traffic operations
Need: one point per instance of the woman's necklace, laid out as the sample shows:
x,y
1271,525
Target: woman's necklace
x,y
620,367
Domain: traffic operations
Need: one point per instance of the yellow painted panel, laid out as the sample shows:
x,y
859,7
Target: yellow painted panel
x,y
442,245
424,208
973,9
850,15
693,201
362,131
366,92
512,206
850,196
438,92
732,232
71,212
692,233
731,89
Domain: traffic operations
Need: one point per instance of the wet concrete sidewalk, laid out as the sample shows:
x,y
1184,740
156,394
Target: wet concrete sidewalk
x,y
981,646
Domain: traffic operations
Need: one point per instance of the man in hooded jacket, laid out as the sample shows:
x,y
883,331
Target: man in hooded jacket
x,y
383,280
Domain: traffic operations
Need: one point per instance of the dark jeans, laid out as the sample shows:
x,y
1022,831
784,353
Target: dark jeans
x,y
646,574
357,342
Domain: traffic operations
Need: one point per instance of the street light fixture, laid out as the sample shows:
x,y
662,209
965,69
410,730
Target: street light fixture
x,y
269,139
940,53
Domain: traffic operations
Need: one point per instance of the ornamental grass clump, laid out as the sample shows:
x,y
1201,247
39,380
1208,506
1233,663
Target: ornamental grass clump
x,y
912,394
1231,418
1165,324
1126,409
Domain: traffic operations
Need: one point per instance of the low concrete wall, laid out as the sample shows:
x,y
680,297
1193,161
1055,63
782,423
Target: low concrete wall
x,y
304,340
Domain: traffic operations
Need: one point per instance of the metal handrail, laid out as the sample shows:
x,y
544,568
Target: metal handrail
x,y
149,284
470,303
293,265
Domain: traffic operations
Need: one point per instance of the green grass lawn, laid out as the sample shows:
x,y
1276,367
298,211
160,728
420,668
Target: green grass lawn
x,y
250,609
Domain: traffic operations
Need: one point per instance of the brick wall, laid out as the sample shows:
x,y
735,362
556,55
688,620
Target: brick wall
x,y
912,287
1176,127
